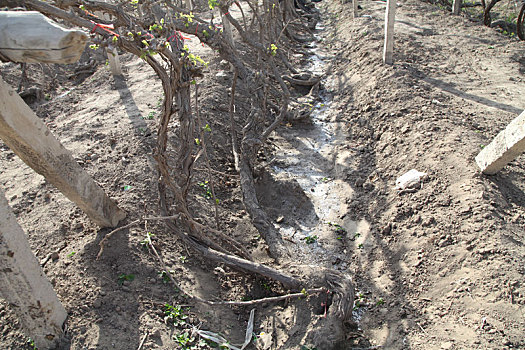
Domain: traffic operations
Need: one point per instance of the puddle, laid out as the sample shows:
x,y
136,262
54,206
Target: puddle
x,y
324,234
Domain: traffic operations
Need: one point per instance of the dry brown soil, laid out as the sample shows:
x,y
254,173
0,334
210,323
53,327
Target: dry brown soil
x,y
438,267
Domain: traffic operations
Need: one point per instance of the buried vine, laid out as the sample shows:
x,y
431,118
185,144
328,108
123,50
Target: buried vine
x,y
155,31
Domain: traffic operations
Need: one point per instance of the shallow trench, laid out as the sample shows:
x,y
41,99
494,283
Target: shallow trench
x,y
308,197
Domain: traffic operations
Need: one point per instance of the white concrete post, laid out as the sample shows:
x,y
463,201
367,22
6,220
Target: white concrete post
x,y
114,61
456,7
24,285
33,142
505,147
355,4
390,15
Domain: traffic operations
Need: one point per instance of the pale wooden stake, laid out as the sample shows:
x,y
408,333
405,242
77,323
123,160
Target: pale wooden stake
x,y
33,142
456,7
390,15
189,5
114,62
505,147
24,285
227,30
355,4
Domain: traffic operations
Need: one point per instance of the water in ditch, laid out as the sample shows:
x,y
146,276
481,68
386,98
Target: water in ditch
x,y
325,233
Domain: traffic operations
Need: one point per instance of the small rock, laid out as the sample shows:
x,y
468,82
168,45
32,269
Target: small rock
x,y
222,75
443,243
387,229
367,186
410,179
219,270
54,256
97,303
279,219
465,209
428,221
447,345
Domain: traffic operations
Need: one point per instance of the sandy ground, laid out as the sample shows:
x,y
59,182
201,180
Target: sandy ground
x,y
438,267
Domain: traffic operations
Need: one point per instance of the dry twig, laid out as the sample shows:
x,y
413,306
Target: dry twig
x,y
143,340
135,222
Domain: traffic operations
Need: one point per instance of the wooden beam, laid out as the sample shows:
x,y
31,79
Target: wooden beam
x,y
24,285
390,15
30,37
506,146
33,142
355,5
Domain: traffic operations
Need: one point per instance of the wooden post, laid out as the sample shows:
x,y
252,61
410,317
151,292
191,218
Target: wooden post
x,y
29,36
32,141
114,61
355,4
24,285
456,7
505,147
227,29
189,5
390,15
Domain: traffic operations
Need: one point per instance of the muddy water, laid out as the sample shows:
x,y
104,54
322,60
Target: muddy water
x,y
323,234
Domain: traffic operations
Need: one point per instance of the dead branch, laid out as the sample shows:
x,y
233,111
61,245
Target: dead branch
x,y
235,144
305,294
133,223
207,159
301,82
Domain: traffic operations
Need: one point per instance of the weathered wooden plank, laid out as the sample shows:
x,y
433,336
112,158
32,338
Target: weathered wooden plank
x,y
24,285
29,36
390,15
33,142
506,146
